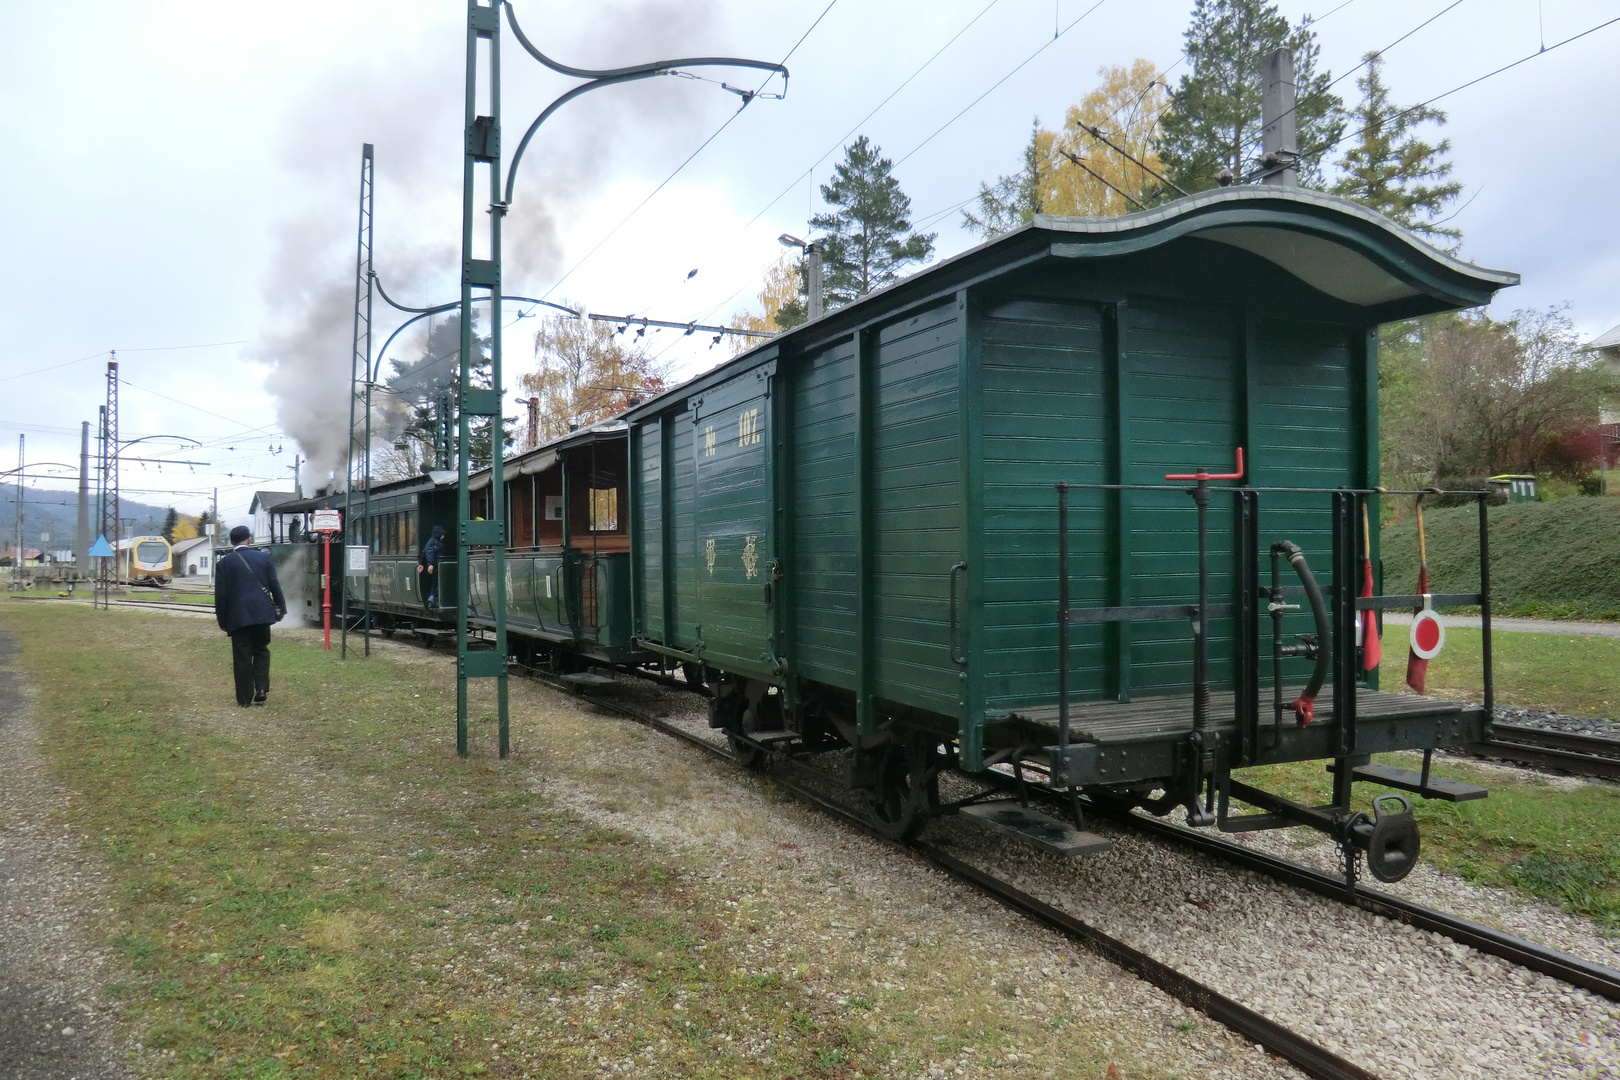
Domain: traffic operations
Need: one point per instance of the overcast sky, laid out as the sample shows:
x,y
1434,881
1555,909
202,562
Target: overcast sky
x,y
181,178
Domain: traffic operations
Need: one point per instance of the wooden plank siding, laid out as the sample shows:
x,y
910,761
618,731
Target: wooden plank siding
x,y
733,527
917,517
1045,416
1182,398
647,507
685,630
1305,436
824,520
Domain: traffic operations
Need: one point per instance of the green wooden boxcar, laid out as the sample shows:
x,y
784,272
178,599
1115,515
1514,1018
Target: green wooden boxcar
x,y
853,528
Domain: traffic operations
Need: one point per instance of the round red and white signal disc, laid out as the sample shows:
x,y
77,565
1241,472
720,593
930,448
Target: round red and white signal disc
x,y
1428,634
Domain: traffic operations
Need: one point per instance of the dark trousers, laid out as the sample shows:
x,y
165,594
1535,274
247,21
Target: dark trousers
x,y
250,661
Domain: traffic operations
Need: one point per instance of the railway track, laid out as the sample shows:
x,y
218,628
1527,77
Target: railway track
x,y
1312,1059
1580,755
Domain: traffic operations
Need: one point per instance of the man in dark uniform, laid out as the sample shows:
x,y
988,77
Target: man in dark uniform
x,y
426,562
247,600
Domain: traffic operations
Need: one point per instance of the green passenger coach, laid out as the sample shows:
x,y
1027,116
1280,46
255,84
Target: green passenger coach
x,y
852,534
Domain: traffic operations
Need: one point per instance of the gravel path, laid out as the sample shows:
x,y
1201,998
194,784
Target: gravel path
x,y
55,1021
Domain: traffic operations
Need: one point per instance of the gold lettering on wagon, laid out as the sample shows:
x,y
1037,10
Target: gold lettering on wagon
x,y
708,554
750,558
748,427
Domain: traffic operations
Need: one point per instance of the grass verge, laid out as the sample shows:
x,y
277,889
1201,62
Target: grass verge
x,y
1557,560
1575,675
321,889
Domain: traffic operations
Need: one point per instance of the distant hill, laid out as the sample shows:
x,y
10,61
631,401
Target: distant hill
x,y
57,512
1558,559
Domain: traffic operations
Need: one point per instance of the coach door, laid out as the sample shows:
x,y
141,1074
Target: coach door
x,y
734,542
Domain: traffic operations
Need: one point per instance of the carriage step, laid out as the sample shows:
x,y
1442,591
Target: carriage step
x,y
1037,829
1407,780
765,738
587,678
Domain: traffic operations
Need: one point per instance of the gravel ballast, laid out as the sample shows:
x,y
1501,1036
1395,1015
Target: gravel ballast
x,y
1398,1001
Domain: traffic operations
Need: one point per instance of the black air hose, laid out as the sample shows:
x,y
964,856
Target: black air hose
x,y
1304,706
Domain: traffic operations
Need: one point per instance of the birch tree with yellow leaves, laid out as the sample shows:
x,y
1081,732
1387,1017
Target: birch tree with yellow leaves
x,y
782,303
1100,164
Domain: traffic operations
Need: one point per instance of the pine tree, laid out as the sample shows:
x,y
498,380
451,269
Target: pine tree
x,y
869,236
1014,200
422,385
1390,169
1213,123
171,518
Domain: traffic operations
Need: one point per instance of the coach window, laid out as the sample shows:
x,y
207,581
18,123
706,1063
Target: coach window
x,y
604,510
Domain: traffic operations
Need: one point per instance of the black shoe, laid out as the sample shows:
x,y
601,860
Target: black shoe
x,y
258,699
245,704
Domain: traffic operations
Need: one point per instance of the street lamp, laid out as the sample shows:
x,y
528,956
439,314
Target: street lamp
x,y
812,251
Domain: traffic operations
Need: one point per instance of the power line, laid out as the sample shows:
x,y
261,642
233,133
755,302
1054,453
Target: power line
x,y
1378,52
875,109
824,154
104,352
1474,82
1026,61
747,100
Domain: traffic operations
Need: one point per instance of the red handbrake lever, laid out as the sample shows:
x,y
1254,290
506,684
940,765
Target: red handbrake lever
x,y
1202,475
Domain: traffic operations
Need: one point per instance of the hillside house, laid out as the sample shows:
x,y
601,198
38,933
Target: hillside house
x,y
1608,346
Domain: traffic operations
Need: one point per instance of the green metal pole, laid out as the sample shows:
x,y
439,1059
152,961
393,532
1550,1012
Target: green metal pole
x,y
497,425
463,495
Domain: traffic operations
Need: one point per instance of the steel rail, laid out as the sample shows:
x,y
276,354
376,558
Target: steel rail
x,y
1580,755
1314,1060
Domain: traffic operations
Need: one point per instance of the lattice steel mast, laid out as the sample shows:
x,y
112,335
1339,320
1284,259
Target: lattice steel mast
x,y
109,476
360,368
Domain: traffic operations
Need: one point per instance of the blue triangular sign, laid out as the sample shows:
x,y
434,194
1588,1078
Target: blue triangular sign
x,y
101,549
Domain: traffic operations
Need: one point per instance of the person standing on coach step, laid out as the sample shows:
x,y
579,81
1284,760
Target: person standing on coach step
x,y
247,600
427,562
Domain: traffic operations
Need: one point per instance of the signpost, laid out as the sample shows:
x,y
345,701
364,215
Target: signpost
x,y
102,550
326,522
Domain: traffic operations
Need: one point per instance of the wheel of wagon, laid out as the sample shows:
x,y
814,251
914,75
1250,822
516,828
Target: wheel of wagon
x,y
748,754
906,794
728,712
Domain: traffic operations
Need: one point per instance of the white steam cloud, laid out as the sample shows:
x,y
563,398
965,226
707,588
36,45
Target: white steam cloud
x,y
409,107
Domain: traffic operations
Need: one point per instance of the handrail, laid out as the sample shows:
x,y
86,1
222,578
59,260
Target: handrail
x,y
1341,644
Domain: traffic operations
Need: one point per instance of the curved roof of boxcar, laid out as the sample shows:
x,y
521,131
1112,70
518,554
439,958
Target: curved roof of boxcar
x,y
1363,262
1336,246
